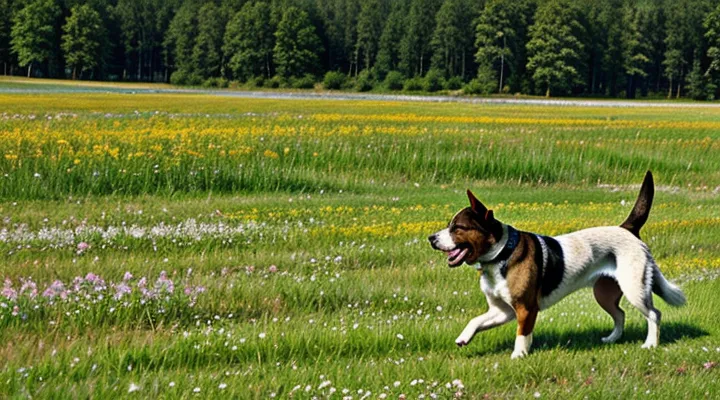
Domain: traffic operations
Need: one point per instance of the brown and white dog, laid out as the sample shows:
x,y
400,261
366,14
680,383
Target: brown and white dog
x,y
523,273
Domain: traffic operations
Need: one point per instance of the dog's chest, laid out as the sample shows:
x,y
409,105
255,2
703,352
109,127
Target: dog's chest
x,y
493,284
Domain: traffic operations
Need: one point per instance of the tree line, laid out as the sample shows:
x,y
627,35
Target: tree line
x,y
615,48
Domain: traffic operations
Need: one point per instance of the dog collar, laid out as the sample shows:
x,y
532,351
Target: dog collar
x,y
513,239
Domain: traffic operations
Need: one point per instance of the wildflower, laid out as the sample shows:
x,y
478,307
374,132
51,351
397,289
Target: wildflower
x,y
196,390
222,386
128,276
8,292
82,247
400,336
56,289
133,388
272,269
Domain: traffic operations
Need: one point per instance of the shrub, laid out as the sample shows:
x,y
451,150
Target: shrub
x,y
178,78
215,83
394,80
454,83
364,82
276,82
413,84
485,83
334,80
433,81
258,81
306,82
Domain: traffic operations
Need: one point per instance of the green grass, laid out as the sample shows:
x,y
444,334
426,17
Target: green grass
x,y
316,267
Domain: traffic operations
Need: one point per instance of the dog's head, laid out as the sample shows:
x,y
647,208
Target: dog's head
x,y
469,235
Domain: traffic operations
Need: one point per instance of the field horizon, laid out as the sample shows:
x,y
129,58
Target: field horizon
x,y
192,246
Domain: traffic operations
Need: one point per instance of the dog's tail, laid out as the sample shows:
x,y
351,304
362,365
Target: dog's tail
x,y
666,290
639,214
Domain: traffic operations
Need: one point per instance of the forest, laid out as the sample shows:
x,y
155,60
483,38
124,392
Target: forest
x,y
598,48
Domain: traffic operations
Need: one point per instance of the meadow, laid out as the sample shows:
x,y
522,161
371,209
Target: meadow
x,y
197,246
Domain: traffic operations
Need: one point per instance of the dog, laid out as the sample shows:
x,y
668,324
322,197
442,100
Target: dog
x,y
523,273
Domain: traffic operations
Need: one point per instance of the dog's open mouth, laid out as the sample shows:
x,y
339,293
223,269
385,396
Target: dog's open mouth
x,y
456,256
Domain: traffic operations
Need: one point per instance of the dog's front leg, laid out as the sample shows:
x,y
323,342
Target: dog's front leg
x,y
526,317
492,318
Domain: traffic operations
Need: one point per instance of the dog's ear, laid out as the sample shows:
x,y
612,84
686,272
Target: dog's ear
x,y
480,209
476,205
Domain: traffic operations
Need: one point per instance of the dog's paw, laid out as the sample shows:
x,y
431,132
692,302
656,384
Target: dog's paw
x,y
518,354
464,339
649,345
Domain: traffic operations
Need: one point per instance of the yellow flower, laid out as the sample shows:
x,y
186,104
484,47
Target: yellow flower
x,y
271,154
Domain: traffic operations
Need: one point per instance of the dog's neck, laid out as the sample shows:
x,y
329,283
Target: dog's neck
x,y
497,248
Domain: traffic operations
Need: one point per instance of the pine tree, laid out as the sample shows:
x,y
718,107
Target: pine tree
x,y
33,33
207,53
452,37
635,45
554,51
369,29
296,44
5,27
712,35
81,39
415,46
500,37
249,41
388,57
180,41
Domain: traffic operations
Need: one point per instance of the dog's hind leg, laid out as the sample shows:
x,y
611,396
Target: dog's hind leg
x,y
608,295
639,294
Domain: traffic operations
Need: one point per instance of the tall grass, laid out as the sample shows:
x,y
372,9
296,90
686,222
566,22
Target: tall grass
x,y
317,278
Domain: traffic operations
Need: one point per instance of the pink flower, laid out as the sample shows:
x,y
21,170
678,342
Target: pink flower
x,y
164,283
56,289
15,311
8,292
272,269
121,289
127,276
82,246
29,287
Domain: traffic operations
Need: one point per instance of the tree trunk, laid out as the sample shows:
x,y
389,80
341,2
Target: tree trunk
x,y
74,75
678,91
669,96
547,94
29,69
463,65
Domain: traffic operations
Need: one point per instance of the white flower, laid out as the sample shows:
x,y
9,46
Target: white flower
x,y
196,390
133,388
396,383
172,384
400,336
536,395
324,384
222,386
262,335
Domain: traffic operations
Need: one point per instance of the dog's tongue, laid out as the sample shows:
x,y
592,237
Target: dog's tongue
x,y
453,253
455,257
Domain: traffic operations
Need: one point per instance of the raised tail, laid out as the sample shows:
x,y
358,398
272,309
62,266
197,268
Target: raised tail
x,y
639,214
666,290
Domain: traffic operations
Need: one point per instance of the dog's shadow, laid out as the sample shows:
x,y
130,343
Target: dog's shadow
x,y
588,339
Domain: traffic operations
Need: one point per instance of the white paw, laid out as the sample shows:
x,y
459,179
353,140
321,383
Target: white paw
x,y
463,340
649,345
518,354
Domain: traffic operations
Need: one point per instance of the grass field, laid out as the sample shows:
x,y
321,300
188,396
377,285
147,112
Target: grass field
x,y
191,246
